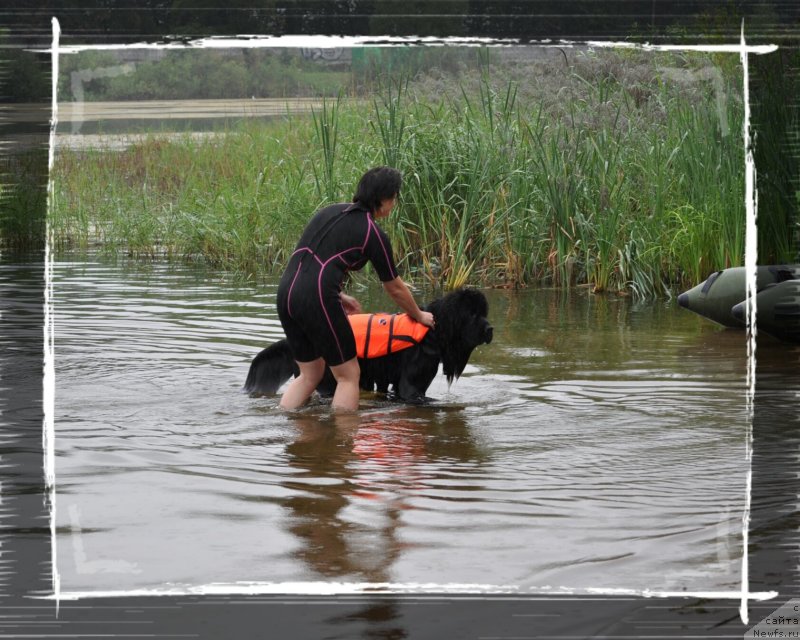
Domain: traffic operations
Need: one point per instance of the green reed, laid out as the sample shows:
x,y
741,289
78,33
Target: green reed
x,y
389,123
23,198
624,185
326,127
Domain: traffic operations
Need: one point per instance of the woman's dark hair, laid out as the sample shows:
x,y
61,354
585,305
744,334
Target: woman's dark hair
x,y
377,185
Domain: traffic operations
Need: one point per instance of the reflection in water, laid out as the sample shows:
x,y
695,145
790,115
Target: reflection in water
x,y
776,485
356,475
381,619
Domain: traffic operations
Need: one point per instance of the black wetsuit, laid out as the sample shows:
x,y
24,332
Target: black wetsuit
x,y
338,239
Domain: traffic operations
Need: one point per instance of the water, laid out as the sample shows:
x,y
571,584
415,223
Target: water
x,y
596,443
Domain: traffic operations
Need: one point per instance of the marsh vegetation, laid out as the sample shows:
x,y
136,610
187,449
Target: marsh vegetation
x,y
622,170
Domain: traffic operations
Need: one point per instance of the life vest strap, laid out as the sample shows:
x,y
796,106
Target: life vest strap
x,y
365,349
391,335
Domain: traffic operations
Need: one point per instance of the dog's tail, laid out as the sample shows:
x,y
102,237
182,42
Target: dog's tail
x,y
270,369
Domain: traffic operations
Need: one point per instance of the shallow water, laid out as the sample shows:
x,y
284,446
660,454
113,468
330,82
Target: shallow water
x,y
596,443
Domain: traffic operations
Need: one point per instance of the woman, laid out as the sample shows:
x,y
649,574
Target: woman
x,y
311,306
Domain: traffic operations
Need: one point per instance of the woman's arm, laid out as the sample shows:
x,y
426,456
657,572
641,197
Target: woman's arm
x,y
350,304
398,291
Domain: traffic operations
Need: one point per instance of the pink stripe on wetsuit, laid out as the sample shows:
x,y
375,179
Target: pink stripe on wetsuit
x,y
328,232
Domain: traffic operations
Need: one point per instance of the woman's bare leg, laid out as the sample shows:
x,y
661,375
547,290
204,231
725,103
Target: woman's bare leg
x,y
301,388
345,398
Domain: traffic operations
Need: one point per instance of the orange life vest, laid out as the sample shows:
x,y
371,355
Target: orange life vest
x,y
379,334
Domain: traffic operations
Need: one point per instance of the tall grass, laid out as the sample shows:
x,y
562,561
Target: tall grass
x,y
326,129
605,177
776,161
23,196
389,123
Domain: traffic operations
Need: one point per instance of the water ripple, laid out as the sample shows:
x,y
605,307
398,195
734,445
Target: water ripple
x,y
570,452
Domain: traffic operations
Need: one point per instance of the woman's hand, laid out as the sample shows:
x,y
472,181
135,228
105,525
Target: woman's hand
x,y
426,318
398,291
349,304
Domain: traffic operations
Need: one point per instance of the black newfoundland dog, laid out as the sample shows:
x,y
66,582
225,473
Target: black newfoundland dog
x,y
461,325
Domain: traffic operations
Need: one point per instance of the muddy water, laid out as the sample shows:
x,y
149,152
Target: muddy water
x,y
596,443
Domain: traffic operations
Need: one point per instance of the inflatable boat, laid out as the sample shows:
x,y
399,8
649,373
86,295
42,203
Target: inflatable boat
x,y
777,310
721,298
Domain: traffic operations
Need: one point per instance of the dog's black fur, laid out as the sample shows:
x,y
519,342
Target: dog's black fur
x,y
461,325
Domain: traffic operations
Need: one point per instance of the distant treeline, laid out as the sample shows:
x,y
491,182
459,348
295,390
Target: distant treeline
x,y
240,73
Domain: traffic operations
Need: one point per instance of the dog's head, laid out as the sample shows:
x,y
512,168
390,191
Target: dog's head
x,y
461,325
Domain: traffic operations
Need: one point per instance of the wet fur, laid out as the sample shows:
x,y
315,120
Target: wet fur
x,y
461,325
